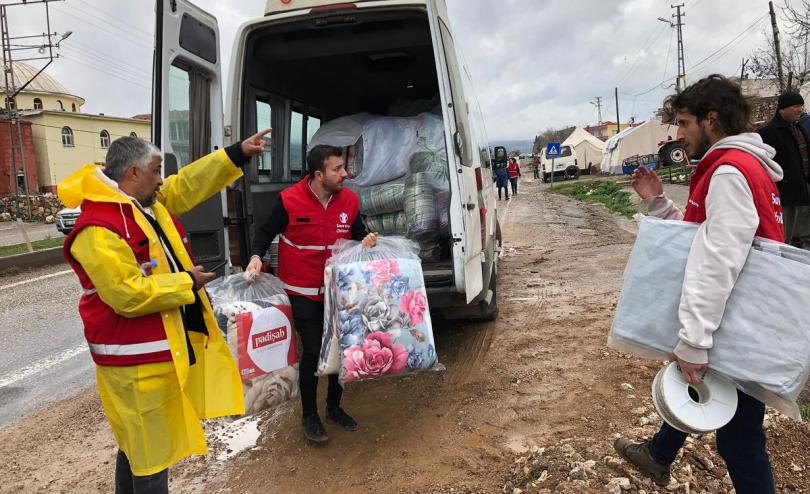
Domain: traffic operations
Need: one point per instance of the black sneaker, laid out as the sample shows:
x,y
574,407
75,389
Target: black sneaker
x,y
341,418
313,429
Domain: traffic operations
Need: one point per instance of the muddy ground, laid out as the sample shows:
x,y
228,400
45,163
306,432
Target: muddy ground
x,y
528,403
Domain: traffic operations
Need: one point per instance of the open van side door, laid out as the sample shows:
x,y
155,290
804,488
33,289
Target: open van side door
x,y
187,111
460,146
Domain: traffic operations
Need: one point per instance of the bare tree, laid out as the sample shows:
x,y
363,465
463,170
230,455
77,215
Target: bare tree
x,y
795,55
551,135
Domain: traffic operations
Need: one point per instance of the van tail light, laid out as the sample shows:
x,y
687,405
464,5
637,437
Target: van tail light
x,y
337,6
478,180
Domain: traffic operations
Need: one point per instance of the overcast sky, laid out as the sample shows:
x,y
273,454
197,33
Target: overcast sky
x,y
535,64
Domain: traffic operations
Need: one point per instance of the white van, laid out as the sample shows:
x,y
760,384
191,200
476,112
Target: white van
x,y
302,64
565,165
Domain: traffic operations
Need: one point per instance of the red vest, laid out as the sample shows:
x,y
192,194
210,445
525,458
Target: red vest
x,y
763,188
514,170
116,340
311,232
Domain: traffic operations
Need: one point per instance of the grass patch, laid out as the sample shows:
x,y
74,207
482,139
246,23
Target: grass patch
x,y
10,250
805,408
599,191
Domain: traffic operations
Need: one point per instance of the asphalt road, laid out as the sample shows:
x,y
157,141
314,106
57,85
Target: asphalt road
x,y
45,357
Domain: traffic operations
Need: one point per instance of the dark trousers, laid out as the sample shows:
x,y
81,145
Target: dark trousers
x,y
513,182
126,483
741,443
536,173
308,317
505,189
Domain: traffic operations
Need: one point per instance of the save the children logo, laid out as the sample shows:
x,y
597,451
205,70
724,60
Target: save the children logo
x,y
344,217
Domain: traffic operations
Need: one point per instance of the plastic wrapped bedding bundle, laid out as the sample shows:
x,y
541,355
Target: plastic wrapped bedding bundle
x,y
376,312
340,132
383,198
420,206
257,321
762,343
430,251
443,210
388,224
388,143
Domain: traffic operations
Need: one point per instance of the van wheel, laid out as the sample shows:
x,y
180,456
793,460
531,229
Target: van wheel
x,y
572,172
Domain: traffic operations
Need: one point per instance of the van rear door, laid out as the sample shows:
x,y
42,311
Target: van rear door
x,y
187,110
461,144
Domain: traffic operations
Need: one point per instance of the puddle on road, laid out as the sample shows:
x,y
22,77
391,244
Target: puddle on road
x,y
237,436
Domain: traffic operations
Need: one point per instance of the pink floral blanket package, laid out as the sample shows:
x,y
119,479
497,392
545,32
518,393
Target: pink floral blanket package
x,y
376,313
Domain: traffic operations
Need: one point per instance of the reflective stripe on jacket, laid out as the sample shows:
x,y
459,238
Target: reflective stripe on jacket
x,y
311,232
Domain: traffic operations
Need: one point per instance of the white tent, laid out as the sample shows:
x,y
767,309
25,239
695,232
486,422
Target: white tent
x,y
633,141
587,148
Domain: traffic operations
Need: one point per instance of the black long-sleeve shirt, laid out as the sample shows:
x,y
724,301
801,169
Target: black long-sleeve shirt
x,y
277,222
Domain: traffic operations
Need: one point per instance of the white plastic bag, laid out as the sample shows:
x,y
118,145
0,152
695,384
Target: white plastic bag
x,y
258,325
763,342
388,143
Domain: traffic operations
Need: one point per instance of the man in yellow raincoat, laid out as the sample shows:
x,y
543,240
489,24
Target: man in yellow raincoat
x,y
162,364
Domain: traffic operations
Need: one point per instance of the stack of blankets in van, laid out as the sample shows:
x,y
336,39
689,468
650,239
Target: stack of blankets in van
x,y
403,180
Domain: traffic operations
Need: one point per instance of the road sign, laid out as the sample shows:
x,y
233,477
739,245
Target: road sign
x,y
552,149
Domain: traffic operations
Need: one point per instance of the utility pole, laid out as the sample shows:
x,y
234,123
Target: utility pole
x,y
678,24
681,61
11,88
598,105
742,69
778,50
618,125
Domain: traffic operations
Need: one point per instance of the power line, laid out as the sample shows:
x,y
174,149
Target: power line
x,y
647,45
120,66
106,73
104,13
118,35
736,38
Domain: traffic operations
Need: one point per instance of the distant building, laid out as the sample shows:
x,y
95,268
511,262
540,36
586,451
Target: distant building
x,y
62,137
606,130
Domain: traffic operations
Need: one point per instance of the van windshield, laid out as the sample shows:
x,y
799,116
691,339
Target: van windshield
x,y
564,151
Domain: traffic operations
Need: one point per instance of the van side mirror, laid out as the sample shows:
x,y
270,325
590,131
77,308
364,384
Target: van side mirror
x,y
500,156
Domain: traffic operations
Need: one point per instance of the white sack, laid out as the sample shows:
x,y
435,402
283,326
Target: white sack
x,y
763,342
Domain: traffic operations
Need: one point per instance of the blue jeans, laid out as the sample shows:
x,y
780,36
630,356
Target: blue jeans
x,y
741,443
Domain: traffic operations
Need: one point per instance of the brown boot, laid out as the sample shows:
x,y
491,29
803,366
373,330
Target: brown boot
x,y
639,455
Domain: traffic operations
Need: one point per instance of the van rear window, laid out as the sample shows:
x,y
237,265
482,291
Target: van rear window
x,y
564,151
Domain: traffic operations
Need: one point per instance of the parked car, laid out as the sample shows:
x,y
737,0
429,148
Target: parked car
x,y
66,219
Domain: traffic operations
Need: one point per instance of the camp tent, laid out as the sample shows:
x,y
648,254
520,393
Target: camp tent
x,y
587,148
633,141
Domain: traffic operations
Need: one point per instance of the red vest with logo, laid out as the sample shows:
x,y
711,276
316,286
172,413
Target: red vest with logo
x,y
514,170
763,188
312,230
116,340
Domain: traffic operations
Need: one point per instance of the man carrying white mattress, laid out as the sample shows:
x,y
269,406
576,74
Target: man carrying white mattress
x,y
733,196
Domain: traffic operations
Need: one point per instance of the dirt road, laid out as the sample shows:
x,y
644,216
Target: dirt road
x,y
534,397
